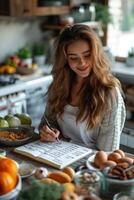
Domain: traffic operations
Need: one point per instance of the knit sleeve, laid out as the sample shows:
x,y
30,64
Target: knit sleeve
x,y
112,125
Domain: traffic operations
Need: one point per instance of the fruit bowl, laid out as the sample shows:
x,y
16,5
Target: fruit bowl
x,y
13,194
16,136
26,70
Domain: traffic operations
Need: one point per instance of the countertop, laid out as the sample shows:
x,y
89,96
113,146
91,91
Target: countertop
x,y
123,72
26,82
42,77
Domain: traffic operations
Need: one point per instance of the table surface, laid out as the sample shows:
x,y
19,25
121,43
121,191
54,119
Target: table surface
x,y
21,159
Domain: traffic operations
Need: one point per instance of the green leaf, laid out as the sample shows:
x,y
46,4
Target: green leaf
x,y
37,190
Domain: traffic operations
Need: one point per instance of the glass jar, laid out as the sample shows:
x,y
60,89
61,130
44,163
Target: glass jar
x,y
2,152
78,14
87,182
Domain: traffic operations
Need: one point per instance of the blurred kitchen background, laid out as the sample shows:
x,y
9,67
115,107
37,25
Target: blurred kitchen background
x,y
28,29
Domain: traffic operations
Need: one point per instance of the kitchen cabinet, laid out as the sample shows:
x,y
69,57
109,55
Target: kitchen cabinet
x,y
15,8
49,10
18,8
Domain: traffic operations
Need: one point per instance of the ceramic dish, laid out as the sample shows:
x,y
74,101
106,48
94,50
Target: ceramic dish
x,y
17,140
13,194
26,170
25,71
90,162
123,195
111,186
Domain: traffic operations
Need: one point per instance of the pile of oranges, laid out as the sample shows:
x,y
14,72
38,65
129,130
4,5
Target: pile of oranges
x,y
8,174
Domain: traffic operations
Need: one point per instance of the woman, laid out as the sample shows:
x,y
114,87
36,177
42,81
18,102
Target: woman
x,y
84,99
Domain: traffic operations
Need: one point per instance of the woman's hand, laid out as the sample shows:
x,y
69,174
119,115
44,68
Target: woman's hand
x,y
49,135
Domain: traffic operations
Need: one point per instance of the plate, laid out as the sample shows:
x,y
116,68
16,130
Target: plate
x,y
90,161
27,134
26,170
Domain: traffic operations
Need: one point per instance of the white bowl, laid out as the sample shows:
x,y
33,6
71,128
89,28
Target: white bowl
x,y
123,195
13,194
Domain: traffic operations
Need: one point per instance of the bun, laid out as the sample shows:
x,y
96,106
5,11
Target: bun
x,y
60,177
114,156
100,158
108,163
120,152
125,159
70,171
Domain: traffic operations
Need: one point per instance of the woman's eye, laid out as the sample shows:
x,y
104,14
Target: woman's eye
x,y
87,56
73,58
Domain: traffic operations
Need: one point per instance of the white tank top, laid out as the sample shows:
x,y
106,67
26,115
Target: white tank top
x,y
77,132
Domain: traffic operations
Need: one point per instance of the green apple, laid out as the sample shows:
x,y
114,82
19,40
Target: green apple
x,y
8,116
13,121
3,123
24,118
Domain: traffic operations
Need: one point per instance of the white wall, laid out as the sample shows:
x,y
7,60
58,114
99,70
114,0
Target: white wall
x,y
15,33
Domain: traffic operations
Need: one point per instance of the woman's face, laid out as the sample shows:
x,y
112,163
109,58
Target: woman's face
x,y
78,57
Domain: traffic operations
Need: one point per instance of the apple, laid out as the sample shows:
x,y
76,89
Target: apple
x,y
16,59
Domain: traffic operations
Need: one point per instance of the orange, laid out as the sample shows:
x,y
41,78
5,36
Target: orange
x,y
9,165
7,183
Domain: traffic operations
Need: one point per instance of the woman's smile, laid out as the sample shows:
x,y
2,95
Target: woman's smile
x,y
83,69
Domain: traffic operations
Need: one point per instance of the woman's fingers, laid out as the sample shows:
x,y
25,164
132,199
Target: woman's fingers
x,y
46,134
57,133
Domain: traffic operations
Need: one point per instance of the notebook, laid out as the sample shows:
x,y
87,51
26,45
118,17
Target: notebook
x,y
58,154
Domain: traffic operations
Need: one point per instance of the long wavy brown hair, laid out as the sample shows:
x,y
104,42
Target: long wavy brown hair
x,y
96,88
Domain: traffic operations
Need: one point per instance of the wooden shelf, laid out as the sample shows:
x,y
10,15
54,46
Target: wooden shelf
x,y
52,26
52,10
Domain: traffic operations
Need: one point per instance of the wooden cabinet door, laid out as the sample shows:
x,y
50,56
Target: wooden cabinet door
x,y
49,10
21,7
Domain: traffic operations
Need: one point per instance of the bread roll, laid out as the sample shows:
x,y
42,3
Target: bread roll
x,y
114,156
60,176
108,163
70,171
120,152
100,158
125,159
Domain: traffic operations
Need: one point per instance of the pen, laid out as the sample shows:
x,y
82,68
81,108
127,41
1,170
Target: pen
x,y
48,124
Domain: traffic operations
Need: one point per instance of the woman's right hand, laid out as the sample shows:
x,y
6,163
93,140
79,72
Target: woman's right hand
x,y
49,135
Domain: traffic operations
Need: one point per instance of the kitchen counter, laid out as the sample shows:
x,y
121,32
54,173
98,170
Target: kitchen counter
x,y
121,70
26,82
124,72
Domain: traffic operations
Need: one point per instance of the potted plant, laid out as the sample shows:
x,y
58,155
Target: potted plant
x,y
130,57
102,14
26,55
38,51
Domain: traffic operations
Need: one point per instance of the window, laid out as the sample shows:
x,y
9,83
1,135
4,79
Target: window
x,y
120,35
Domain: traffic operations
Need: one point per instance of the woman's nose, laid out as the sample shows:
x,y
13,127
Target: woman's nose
x,y
82,61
